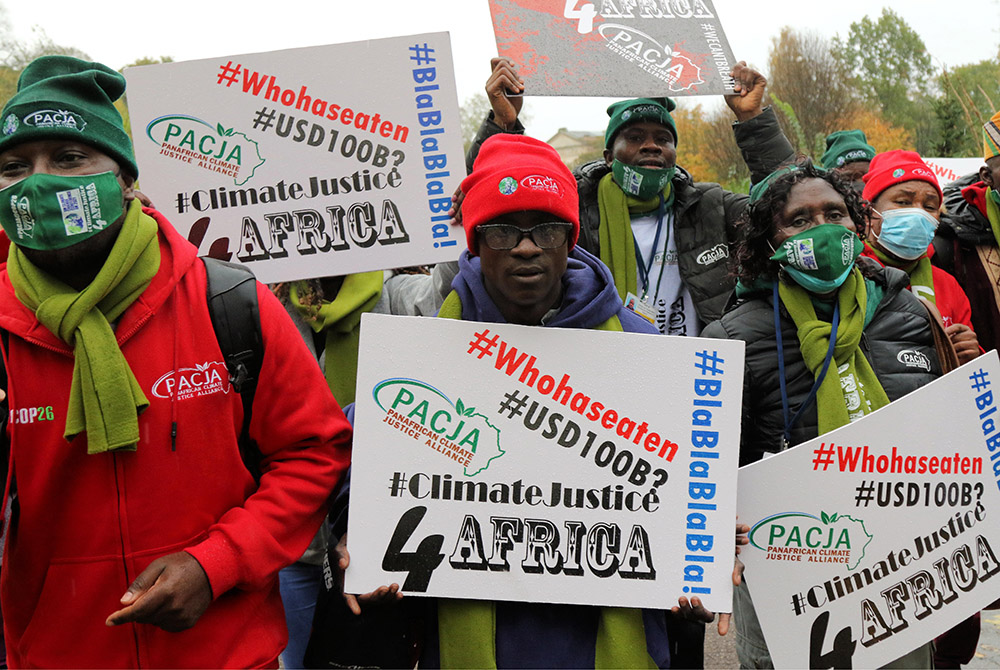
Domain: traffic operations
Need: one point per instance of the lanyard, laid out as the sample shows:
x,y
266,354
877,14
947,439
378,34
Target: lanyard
x,y
641,263
786,439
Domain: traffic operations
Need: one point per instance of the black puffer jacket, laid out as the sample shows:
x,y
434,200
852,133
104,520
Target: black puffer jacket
x,y
964,232
900,324
961,223
706,214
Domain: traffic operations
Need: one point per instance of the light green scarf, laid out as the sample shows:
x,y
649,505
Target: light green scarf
x,y
341,319
993,213
104,399
921,276
814,339
467,637
617,244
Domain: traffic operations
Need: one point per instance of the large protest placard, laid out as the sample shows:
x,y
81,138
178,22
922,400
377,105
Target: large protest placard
x,y
306,162
875,538
614,47
500,462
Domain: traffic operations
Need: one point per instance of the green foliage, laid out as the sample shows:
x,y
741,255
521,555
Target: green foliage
x,y
971,95
890,67
805,74
802,143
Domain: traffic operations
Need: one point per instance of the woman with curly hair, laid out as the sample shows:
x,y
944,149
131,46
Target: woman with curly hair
x,y
803,301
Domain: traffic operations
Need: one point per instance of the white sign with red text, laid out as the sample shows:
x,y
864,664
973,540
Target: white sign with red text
x,y
495,462
948,170
875,538
306,162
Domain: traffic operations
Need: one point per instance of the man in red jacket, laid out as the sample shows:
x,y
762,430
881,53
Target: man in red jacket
x,y
137,537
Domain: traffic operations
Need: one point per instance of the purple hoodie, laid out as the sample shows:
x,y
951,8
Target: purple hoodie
x,y
589,295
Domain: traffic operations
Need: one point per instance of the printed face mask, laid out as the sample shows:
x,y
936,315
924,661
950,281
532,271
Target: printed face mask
x,y
46,211
819,259
642,182
907,231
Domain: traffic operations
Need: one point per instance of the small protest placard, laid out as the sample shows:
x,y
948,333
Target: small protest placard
x,y
617,48
306,162
876,537
948,170
495,462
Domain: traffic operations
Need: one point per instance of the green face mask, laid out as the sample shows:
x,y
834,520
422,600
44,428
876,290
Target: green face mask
x,y
995,195
641,182
47,211
819,259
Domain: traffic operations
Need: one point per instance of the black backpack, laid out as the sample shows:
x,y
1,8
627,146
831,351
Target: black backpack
x,y
232,305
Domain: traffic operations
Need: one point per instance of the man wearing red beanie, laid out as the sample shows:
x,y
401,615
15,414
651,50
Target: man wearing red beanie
x,y
906,199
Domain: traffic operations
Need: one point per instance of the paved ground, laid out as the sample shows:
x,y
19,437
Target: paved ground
x,y
988,653
720,652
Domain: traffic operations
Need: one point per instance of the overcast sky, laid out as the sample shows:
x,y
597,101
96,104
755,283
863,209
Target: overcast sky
x,y
114,33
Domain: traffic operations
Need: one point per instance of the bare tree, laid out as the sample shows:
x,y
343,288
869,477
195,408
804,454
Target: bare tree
x,y
805,76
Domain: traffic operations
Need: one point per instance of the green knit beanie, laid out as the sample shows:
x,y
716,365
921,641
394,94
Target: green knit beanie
x,y
846,146
65,97
640,109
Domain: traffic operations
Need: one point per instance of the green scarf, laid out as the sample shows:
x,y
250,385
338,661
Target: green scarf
x,y
470,625
104,399
814,339
993,213
341,319
921,276
617,244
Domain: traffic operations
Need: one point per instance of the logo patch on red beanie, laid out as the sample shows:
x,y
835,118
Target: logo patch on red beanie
x,y
507,186
538,182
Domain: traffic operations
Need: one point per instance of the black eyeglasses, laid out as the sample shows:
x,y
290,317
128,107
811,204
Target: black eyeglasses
x,y
505,236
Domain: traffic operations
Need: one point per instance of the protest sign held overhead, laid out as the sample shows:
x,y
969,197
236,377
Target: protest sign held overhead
x,y
493,462
615,48
306,162
873,539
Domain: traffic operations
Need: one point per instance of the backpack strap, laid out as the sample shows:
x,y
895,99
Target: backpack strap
x,y
233,307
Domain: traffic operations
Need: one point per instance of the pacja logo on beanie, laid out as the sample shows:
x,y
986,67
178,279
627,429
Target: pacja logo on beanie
x,y
514,173
62,96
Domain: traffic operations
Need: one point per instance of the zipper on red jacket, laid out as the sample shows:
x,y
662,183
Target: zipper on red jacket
x,y
121,541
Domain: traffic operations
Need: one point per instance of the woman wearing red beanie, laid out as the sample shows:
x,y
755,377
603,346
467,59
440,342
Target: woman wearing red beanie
x,y
906,200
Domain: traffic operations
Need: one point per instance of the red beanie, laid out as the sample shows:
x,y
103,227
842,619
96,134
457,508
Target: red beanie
x,y
515,173
894,167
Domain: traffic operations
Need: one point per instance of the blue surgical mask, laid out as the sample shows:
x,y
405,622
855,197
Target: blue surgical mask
x,y
906,232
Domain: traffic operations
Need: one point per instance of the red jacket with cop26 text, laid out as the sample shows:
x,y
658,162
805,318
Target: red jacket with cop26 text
x,y
84,526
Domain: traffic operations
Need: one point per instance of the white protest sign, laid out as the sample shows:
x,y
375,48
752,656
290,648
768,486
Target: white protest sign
x,y
948,170
616,48
875,538
506,462
306,162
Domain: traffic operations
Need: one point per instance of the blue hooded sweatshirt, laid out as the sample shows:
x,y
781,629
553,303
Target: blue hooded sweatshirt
x,y
542,635
589,296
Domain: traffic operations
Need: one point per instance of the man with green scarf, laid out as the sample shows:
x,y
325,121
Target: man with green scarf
x,y
137,537
665,237
967,243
